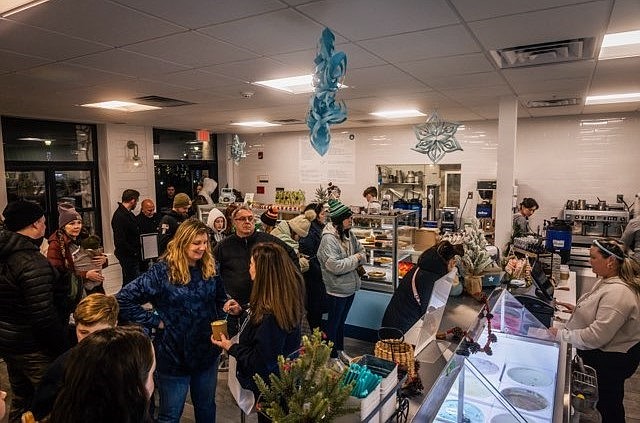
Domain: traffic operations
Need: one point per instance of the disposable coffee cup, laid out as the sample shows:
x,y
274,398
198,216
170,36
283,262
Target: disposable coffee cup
x,y
218,328
564,272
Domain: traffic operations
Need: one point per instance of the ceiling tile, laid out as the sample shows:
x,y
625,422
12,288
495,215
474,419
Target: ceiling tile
x,y
423,45
201,13
624,16
616,76
86,20
255,70
482,79
424,70
15,37
11,62
127,63
273,33
364,19
69,75
191,49
473,10
195,79
562,23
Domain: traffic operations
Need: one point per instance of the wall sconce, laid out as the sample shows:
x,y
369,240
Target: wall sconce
x,y
131,145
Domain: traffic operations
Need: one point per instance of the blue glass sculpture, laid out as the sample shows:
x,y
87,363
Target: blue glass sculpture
x,y
238,149
436,138
324,111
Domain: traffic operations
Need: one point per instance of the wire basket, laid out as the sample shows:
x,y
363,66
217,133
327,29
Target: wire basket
x,y
584,389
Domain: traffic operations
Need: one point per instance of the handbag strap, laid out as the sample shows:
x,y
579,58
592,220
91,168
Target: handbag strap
x,y
413,286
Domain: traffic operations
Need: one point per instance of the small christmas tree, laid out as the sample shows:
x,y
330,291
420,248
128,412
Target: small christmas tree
x,y
306,390
321,195
476,257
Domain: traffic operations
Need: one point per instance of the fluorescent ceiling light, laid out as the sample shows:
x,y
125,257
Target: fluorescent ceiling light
x,y
294,84
396,114
621,44
123,106
256,124
612,98
10,7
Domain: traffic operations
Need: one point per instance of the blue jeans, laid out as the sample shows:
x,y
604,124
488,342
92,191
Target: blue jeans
x,y
173,392
338,311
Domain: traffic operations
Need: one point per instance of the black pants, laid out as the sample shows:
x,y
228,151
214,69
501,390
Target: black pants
x,y
130,268
612,369
25,373
316,302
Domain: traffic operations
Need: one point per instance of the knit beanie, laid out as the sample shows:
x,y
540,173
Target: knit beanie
x,y
20,214
338,211
181,200
301,223
67,214
270,217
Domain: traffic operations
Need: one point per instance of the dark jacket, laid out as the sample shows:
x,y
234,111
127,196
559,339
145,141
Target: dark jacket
x,y
233,254
309,247
31,300
148,225
184,346
126,235
403,310
258,349
168,227
49,387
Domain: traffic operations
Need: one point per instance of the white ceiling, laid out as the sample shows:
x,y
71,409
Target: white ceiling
x,y
427,54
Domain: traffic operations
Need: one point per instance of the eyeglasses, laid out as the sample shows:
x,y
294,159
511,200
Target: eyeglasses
x,y
244,219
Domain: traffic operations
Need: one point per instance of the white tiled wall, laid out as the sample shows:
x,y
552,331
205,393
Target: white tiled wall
x,y
557,159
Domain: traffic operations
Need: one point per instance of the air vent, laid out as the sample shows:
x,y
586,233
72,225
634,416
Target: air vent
x,y
554,102
154,100
544,54
288,121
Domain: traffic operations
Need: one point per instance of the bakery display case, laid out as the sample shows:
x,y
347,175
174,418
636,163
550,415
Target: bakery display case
x,y
388,241
521,380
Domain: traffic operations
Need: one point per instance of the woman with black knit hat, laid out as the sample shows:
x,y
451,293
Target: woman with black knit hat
x,y
340,253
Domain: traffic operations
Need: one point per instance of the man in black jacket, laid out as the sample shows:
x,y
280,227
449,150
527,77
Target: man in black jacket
x,y
170,221
32,327
126,236
233,254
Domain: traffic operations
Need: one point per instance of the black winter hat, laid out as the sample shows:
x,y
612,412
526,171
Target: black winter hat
x,y
20,214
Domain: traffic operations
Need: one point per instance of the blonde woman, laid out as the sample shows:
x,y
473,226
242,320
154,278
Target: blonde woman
x,y
186,296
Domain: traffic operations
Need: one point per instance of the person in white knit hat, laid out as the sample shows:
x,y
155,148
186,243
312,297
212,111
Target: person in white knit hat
x,y
290,231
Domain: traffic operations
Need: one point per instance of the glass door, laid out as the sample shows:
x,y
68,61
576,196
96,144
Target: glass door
x,y
51,185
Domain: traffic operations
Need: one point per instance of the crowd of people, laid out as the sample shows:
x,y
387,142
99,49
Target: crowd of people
x,y
154,335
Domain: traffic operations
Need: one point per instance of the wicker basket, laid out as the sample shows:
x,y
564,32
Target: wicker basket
x,y
392,347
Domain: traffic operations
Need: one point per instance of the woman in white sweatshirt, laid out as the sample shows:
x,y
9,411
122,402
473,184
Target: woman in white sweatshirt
x,y
605,325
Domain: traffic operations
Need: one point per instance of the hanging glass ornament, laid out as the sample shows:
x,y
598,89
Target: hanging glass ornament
x,y
238,149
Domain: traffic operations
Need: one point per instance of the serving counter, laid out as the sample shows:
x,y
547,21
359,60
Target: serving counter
x,y
527,378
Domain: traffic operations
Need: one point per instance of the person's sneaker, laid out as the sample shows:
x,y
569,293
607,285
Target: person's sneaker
x,y
344,357
223,366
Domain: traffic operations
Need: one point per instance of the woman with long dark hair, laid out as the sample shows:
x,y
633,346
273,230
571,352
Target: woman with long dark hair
x,y
108,378
186,296
275,315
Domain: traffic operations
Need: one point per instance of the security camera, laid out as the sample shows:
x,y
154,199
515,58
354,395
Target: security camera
x,y
352,137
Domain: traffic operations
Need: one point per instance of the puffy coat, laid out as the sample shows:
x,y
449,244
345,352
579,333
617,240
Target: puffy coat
x,y
339,262
217,236
309,247
31,302
403,310
168,227
232,256
187,312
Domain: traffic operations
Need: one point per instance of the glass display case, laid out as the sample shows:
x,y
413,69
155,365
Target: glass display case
x,y
522,380
388,241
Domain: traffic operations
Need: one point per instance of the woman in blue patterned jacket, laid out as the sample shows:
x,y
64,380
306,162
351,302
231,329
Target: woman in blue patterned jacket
x,y
186,296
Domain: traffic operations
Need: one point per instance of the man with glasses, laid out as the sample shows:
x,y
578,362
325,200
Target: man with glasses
x,y
233,254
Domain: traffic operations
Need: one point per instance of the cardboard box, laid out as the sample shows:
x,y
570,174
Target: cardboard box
x,y
426,238
366,406
389,372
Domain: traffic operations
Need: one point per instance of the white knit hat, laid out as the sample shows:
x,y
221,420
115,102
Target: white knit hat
x,y
301,224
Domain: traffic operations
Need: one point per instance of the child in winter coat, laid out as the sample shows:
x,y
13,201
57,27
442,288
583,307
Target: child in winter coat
x,y
217,223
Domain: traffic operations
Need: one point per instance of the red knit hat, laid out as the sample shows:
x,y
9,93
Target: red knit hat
x,y
270,217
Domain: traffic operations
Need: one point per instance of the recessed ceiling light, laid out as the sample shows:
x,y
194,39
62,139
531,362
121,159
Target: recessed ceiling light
x,y
612,98
124,106
294,84
10,7
397,114
256,124
620,44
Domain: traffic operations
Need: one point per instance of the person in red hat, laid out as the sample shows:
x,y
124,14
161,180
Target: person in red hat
x,y
269,219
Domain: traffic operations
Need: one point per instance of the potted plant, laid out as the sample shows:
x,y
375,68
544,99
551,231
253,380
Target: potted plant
x,y
307,389
476,258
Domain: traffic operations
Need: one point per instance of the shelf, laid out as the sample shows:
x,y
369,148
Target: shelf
x,y
401,183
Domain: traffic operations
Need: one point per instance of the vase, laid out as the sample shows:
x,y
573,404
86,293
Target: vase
x,y
473,284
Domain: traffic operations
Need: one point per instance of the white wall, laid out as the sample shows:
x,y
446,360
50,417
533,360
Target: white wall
x,y
118,173
557,159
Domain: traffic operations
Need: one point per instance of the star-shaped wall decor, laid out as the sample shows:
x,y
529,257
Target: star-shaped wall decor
x,y
238,149
436,138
